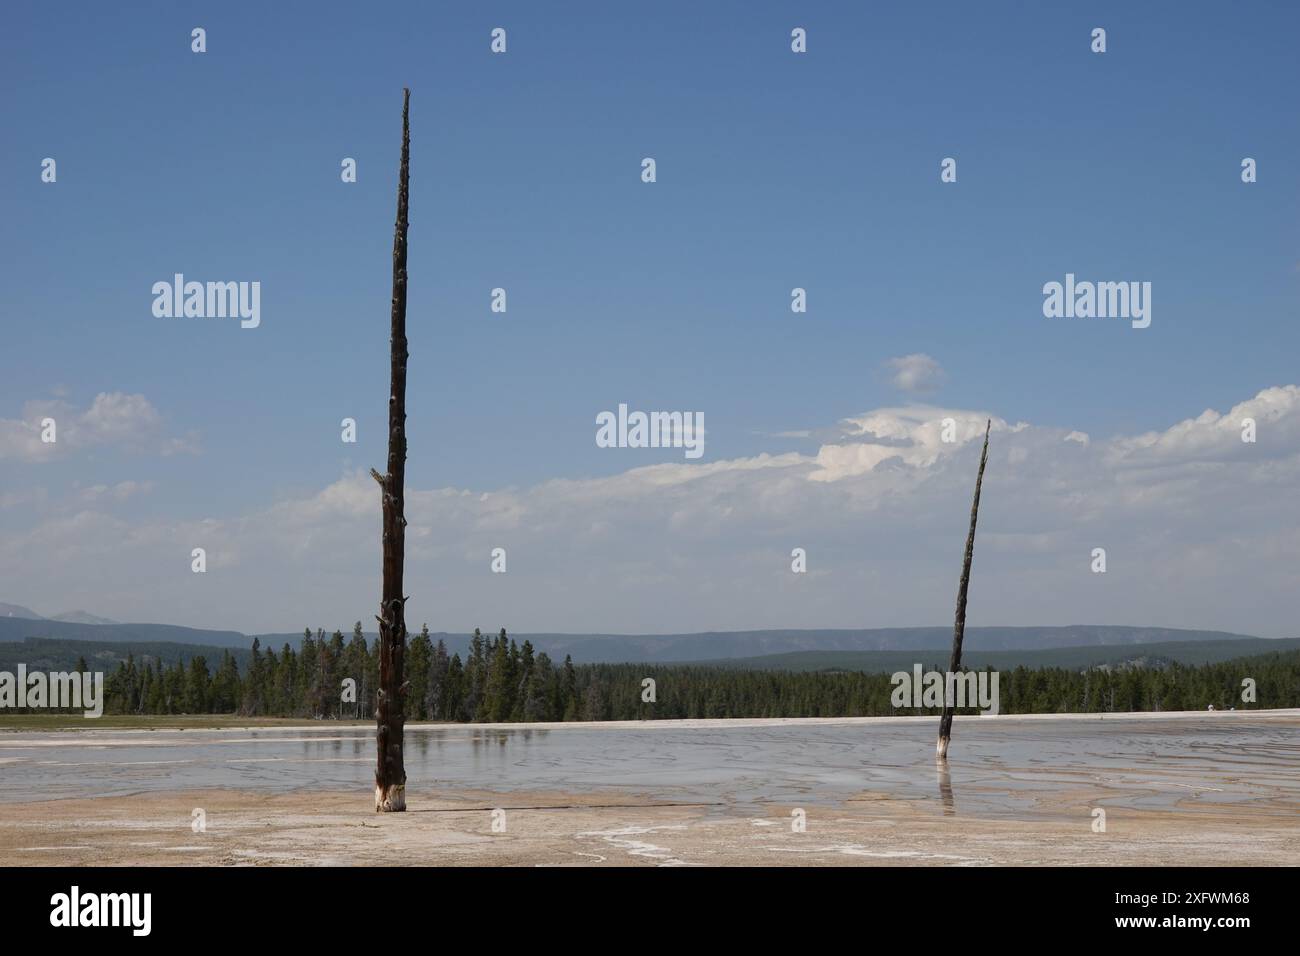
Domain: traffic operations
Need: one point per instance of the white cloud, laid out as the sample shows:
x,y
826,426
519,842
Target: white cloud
x,y
1214,437
113,419
917,372
913,435
118,417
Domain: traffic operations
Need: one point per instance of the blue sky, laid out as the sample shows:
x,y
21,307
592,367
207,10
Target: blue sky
x,y
775,170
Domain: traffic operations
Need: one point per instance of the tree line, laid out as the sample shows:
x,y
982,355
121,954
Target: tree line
x,y
502,681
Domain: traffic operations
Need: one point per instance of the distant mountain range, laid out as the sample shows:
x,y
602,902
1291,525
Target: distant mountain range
x,y
726,645
70,617
711,646
18,629
1072,658
17,610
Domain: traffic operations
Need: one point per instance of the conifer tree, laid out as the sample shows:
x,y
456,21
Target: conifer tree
x,y
436,692
497,701
417,675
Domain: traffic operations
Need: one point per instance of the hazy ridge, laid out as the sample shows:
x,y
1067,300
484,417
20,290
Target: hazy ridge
x,y
44,654
702,646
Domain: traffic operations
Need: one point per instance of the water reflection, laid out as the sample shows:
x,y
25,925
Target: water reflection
x,y
1006,764
945,787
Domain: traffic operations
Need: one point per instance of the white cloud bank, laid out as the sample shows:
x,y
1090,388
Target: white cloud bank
x,y
1201,530
112,419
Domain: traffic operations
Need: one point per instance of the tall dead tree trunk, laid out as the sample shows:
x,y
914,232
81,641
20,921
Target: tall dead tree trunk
x,y
959,626
390,772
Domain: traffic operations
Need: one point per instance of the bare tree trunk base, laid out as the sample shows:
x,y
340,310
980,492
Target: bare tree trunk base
x,y
392,800
941,748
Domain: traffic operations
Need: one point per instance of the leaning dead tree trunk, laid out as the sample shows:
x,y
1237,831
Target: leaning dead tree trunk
x,y
390,772
959,626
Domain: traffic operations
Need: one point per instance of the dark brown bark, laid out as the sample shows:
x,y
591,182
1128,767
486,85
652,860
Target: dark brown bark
x,y
390,772
959,625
